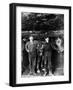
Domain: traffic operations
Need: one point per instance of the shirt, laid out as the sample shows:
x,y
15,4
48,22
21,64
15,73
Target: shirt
x,y
31,46
47,47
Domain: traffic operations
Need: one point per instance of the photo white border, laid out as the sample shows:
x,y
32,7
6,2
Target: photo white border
x,y
19,79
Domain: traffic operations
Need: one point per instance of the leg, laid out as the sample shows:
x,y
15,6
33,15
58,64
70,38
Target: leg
x,y
38,64
30,63
33,65
49,63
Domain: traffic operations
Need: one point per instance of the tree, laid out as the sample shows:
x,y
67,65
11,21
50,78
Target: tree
x,y
41,21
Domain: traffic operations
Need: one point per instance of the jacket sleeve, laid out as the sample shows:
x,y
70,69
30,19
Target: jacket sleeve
x,y
26,47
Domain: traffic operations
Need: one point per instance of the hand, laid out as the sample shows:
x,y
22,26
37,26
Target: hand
x,y
28,51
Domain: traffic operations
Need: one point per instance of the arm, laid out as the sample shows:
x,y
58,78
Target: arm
x,y
26,47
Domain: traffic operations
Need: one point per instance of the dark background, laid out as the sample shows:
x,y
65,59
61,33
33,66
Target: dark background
x,y
42,21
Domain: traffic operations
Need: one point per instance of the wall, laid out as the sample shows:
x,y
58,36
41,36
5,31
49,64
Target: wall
x,y
4,44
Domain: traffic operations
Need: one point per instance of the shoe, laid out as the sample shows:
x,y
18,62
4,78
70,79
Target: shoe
x,y
50,74
30,73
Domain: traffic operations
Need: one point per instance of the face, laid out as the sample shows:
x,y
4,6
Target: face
x,y
58,42
47,39
31,38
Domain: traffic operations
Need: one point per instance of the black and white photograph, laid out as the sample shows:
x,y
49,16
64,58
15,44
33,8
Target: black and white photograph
x,y
42,44
40,39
